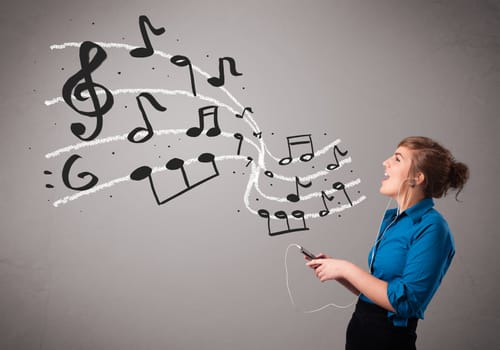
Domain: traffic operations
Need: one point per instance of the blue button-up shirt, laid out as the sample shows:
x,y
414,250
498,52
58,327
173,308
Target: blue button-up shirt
x,y
412,253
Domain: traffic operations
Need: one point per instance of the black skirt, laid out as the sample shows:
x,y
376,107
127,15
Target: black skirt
x,y
370,328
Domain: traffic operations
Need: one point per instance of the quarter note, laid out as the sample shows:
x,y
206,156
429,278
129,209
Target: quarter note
x,y
148,129
294,197
183,61
144,172
82,90
202,114
335,165
339,186
219,81
147,50
243,113
239,137
280,214
293,141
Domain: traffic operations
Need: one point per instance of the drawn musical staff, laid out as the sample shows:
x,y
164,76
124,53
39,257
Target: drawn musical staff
x,y
295,141
202,114
82,90
249,109
339,186
183,61
335,165
145,171
294,197
280,214
147,50
239,137
219,81
65,175
148,129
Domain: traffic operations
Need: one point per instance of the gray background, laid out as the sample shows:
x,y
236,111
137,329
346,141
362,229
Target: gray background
x,y
113,270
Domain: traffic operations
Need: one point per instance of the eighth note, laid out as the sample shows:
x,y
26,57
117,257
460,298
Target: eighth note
x,y
145,171
219,81
339,186
294,197
280,214
202,114
148,129
239,137
148,49
293,141
335,165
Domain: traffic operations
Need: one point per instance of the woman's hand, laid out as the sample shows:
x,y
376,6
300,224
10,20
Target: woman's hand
x,y
327,268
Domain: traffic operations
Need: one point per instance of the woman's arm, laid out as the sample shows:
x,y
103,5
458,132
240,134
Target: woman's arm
x,y
353,278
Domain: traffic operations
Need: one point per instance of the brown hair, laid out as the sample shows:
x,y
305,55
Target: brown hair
x,y
438,165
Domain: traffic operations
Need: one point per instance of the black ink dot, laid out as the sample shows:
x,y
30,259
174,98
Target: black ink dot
x,y
113,153
257,199
62,68
326,179
234,172
340,216
119,73
270,184
153,68
339,203
49,186
272,133
126,106
29,148
243,88
55,124
352,171
93,23
123,38
178,40
168,146
208,55
110,196
312,167
325,134
238,210
168,75
359,192
34,90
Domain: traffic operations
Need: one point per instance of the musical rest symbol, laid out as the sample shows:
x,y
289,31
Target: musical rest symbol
x,y
148,49
280,214
183,61
145,171
294,197
88,86
249,109
295,141
65,175
148,129
339,186
219,81
335,165
239,137
202,114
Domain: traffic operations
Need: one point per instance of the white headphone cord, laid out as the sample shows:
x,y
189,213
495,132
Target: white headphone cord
x,y
290,292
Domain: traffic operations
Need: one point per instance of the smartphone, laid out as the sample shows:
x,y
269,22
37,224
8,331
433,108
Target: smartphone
x,y
307,253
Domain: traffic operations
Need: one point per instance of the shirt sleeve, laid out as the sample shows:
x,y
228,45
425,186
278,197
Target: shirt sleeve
x,y
429,256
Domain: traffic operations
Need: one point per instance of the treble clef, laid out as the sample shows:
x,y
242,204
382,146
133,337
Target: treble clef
x,y
80,86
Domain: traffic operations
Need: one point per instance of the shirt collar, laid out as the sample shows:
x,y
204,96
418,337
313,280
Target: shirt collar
x,y
418,210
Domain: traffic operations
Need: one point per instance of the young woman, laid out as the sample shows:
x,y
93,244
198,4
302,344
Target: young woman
x,y
412,251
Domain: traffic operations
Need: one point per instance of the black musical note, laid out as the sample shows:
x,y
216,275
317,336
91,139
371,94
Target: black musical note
x,y
202,114
243,113
145,171
182,61
298,140
280,214
88,86
219,81
335,165
239,137
294,197
148,129
65,175
269,173
250,159
326,211
258,134
339,186
148,49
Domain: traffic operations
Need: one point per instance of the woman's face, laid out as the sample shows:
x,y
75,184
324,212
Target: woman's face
x,y
396,172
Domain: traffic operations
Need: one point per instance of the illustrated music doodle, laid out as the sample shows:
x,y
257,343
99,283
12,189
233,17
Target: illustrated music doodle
x,y
92,101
